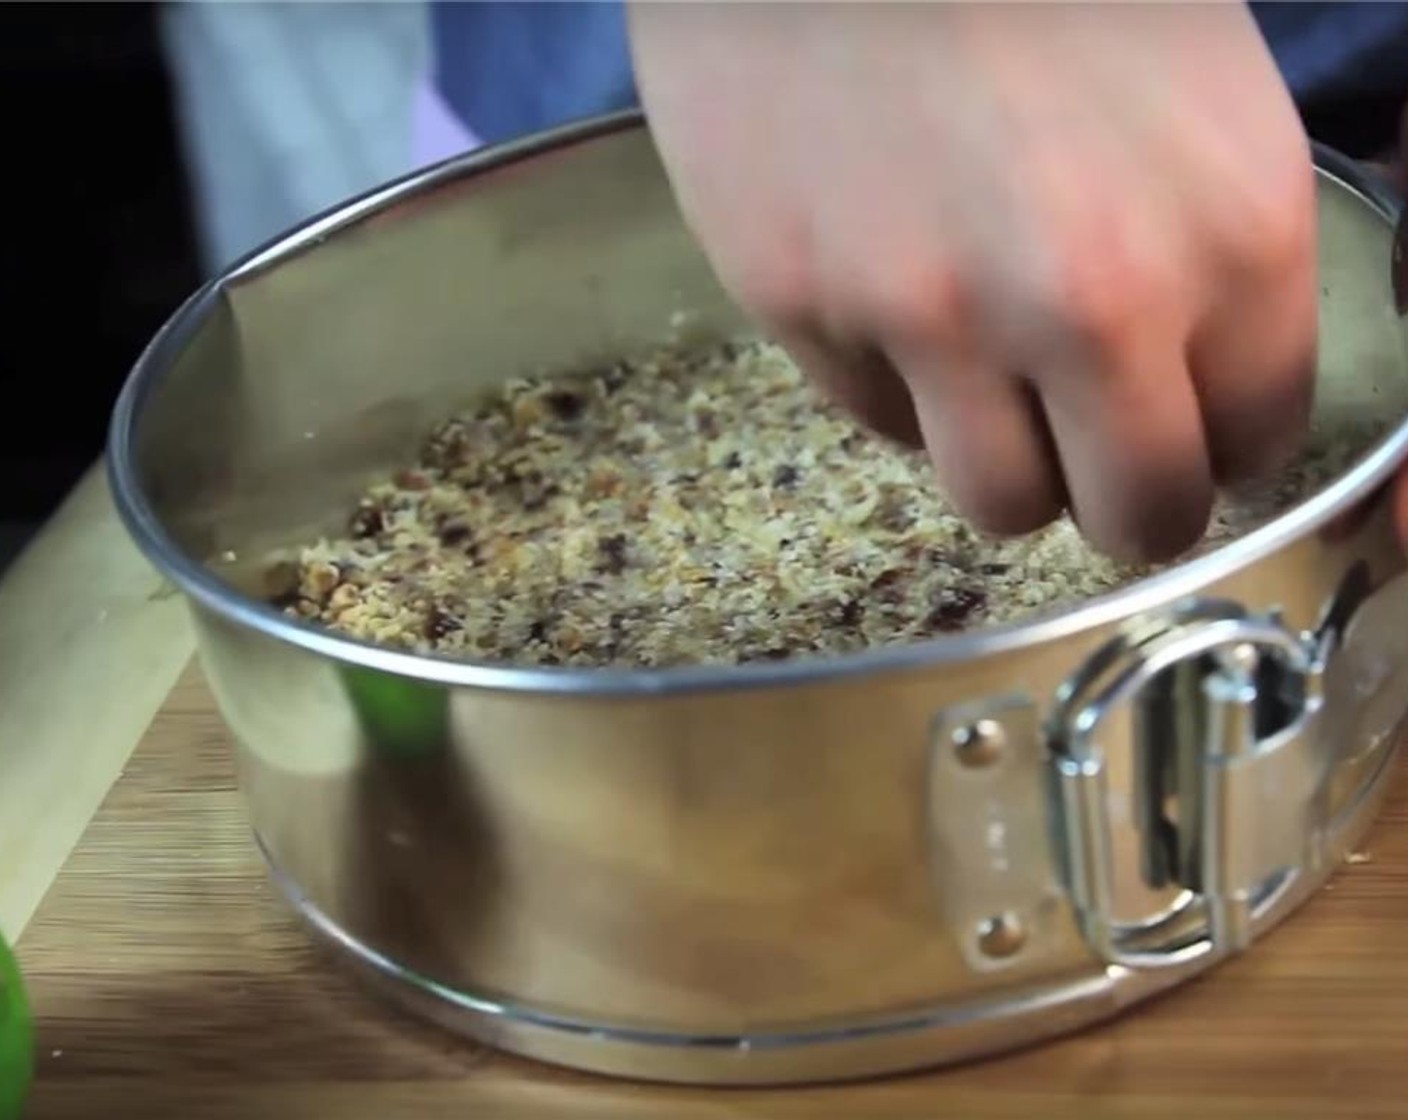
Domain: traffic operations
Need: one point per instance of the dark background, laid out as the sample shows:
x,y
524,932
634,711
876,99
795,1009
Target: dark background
x,y
98,238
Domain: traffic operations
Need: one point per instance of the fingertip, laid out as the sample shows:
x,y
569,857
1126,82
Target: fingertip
x,y
1017,513
1263,433
1141,485
1253,364
861,381
1155,537
988,442
877,398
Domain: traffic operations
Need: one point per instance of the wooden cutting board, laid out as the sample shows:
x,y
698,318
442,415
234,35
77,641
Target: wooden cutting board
x,y
170,983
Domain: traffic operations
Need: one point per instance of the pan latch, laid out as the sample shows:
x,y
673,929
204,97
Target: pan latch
x,y
1198,738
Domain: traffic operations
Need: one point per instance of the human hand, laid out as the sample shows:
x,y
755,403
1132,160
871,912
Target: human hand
x,y
1071,246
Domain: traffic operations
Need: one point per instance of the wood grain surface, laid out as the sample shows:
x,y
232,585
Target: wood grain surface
x,y
91,641
169,982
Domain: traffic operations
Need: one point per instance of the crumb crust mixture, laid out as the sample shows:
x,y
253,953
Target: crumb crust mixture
x,y
697,507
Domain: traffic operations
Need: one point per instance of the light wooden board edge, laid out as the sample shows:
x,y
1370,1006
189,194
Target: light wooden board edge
x,y
91,642
170,982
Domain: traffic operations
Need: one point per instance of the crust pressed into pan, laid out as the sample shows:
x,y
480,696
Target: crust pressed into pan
x,y
690,507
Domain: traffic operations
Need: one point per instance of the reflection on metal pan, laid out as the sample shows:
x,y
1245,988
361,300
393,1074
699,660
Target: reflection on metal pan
x,y
776,872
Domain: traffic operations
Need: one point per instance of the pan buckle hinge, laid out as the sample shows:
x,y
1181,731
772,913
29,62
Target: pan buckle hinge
x,y
1224,783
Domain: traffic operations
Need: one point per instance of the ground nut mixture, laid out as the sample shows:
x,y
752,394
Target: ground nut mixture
x,y
688,508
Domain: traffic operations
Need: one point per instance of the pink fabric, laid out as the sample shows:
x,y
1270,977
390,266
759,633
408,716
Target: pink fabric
x,y
436,133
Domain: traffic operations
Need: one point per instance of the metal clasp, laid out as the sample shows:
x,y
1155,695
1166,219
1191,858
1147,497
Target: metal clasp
x,y
1228,778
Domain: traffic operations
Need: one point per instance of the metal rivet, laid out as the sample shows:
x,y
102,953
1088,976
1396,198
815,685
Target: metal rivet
x,y
979,744
1002,936
1243,658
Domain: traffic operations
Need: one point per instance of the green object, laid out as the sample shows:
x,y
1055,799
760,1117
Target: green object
x,y
403,718
16,1037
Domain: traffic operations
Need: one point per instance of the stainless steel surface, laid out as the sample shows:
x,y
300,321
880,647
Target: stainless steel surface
x,y
1250,808
994,857
789,871
944,1032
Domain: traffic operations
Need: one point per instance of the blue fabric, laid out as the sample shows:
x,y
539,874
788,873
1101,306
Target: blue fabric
x,y
1338,51
512,68
508,69
287,109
